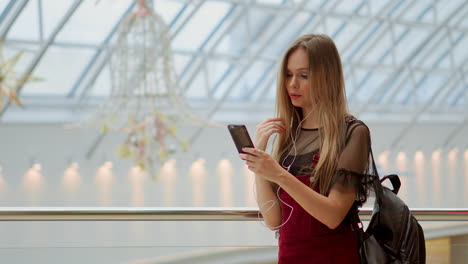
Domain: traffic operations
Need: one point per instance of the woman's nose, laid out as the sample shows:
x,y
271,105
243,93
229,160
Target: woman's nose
x,y
292,82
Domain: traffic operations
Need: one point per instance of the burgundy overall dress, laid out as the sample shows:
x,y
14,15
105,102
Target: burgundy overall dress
x,y
303,239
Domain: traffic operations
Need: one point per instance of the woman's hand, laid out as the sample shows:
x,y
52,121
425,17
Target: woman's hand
x,y
262,164
266,129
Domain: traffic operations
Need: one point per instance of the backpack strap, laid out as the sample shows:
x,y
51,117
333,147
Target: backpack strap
x,y
353,214
395,180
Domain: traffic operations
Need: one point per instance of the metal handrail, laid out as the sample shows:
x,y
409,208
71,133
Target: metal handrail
x,y
185,214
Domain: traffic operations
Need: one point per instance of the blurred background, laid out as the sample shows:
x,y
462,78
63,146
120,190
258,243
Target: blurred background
x,y
121,103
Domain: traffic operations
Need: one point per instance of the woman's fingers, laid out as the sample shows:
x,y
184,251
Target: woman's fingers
x,y
275,130
276,124
250,164
249,161
252,151
250,154
247,157
271,128
269,121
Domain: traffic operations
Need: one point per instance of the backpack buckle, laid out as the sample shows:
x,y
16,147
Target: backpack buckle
x,y
358,226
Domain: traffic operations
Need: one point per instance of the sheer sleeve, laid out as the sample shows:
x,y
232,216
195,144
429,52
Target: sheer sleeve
x,y
353,163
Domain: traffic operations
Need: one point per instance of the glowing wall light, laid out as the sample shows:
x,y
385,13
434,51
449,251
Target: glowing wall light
x,y
401,162
71,180
104,179
382,161
168,176
3,184
34,182
436,188
250,191
465,161
225,172
136,178
451,191
401,166
419,165
197,175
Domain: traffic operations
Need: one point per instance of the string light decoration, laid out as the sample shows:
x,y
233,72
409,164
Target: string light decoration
x,y
144,100
10,81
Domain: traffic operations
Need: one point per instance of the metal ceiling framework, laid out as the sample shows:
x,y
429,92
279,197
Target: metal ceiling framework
x,y
403,60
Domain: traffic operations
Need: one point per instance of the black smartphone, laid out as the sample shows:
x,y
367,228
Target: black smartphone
x,y
241,137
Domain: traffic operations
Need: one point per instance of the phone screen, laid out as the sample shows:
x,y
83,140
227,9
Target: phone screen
x,y
240,136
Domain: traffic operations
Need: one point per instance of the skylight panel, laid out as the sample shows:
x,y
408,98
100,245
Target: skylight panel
x,y
58,70
420,11
291,31
53,11
217,70
167,10
349,7
201,25
93,21
102,86
25,26
431,84
249,81
460,52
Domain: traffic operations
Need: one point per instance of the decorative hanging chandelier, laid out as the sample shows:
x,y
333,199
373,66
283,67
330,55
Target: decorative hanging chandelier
x,y
145,101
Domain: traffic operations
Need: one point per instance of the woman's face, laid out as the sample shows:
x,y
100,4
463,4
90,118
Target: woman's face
x,y
297,81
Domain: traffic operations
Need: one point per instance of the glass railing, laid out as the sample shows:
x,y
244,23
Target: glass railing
x,y
178,235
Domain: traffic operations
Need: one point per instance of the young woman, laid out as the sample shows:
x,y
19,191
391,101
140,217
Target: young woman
x,y
306,188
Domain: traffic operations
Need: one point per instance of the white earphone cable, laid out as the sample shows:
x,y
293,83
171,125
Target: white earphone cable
x,y
287,168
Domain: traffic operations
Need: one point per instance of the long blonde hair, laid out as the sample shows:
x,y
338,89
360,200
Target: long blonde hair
x,y
328,97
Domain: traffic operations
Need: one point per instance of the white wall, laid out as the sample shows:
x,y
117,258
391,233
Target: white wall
x,y
55,147
430,184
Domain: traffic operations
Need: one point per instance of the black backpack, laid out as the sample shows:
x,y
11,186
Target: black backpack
x,y
393,234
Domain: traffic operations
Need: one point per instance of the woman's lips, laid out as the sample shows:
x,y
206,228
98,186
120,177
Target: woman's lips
x,y
294,96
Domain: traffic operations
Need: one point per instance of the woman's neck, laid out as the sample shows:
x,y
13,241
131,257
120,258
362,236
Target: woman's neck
x,y
311,120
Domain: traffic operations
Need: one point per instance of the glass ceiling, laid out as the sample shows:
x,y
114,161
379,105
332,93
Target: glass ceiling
x,y
403,60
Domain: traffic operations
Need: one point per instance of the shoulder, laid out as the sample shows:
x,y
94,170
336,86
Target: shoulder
x,y
356,128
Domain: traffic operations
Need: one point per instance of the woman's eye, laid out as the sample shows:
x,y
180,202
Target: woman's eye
x,y
288,74
305,76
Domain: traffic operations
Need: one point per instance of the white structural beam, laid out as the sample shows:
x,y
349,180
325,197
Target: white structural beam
x,y
198,4
11,17
233,58
357,18
459,128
